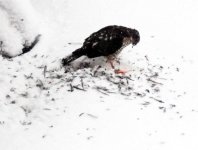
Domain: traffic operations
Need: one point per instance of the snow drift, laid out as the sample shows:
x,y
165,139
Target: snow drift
x,y
19,26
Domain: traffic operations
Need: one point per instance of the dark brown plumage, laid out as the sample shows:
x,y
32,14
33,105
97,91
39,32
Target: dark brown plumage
x,y
108,41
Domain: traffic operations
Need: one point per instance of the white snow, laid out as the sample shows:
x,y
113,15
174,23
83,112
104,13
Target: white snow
x,y
153,107
20,25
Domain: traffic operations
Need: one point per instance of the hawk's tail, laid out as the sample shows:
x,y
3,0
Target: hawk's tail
x,y
75,55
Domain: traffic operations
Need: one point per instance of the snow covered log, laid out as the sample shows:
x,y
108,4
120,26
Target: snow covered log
x,y
19,27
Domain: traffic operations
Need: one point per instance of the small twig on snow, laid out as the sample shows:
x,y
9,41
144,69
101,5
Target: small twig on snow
x,y
44,71
154,81
78,88
158,100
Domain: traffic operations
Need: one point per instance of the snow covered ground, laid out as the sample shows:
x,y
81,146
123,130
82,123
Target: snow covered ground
x,y
153,107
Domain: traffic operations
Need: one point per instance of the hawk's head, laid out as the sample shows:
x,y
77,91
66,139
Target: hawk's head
x,y
135,36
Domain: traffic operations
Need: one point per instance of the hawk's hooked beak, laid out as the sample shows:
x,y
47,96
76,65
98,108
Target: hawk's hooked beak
x,y
133,45
132,42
